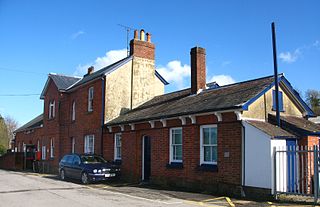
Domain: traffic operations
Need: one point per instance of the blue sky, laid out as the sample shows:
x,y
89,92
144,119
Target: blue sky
x,y
38,37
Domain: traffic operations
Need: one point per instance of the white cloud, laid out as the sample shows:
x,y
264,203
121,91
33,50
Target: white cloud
x,y
77,34
290,57
110,57
175,73
222,79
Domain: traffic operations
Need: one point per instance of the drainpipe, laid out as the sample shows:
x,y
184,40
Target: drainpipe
x,y
243,159
103,112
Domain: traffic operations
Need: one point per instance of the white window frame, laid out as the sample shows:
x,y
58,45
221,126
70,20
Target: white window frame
x,y
210,145
171,145
38,145
51,148
90,99
87,149
73,145
52,109
44,152
73,112
117,146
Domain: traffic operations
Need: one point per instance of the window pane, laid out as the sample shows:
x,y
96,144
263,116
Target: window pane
x,y
214,153
207,154
178,152
213,135
177,139
206,136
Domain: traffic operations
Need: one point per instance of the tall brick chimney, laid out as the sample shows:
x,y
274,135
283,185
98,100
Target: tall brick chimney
x,y
198,69
140,47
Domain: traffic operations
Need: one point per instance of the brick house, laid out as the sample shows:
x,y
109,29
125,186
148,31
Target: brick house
x,y
197,137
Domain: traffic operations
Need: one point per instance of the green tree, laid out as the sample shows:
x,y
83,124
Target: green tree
x,y
4,138
313,100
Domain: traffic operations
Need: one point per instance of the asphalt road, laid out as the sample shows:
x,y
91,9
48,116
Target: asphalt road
x,y
19,189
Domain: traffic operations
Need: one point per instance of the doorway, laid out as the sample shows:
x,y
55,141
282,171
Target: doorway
x,y
146,158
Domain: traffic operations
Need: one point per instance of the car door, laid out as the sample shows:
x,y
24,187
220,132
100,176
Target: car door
x,y
76,167
68,166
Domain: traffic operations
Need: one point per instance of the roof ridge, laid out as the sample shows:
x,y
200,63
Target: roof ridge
x,y
56,74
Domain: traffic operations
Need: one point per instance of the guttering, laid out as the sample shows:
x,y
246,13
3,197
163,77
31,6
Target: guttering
x,y
236,110
103,112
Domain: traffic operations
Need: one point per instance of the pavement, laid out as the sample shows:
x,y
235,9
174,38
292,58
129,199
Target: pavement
x,y
20,189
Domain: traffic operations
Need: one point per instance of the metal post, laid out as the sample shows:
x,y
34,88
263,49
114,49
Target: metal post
x,y
315,176
275,65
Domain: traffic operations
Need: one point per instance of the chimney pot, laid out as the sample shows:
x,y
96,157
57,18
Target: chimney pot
x,y
142,38
148,37
90,70
198,69
136,34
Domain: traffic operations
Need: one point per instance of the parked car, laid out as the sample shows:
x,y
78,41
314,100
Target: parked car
x,y
87,168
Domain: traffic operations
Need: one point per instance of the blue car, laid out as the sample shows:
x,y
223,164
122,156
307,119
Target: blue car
x,y
87,168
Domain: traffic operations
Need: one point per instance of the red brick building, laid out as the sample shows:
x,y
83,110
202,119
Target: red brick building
x,y
191,138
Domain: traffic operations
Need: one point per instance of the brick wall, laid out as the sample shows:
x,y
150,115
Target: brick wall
x,y
191,176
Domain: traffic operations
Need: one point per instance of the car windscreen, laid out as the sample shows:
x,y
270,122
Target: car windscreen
x,y
91,159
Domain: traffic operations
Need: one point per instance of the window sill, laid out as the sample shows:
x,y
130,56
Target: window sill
x,y
208,168
117,162
175,165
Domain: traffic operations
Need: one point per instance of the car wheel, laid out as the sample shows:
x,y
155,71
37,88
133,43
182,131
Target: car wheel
x,y
62,175
84,178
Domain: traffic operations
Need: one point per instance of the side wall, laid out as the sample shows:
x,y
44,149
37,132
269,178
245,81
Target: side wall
x,y
263,106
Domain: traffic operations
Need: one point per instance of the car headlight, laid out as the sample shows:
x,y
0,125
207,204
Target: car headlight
x,y
106,169
99,171
95,171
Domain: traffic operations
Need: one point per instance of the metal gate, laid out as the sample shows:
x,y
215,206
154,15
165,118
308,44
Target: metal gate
x,y
296,171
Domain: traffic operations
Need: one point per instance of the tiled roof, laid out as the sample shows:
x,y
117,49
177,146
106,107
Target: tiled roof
x,y
270,129
101,72
179,103
63,82
296,125
34,123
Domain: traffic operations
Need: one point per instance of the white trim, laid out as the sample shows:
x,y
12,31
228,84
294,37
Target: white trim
x,y
252,119
121,127
183,120
164,122
132,126
238,114
90,99
86,142
51,148
73,112
110,129
218,115
193,119
73,145
170,145
201,143
115,146
151,124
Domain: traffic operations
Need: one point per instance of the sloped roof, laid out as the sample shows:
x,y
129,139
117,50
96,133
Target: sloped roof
x,y
101,72
34,123
270,129
296,125
63,81
179,103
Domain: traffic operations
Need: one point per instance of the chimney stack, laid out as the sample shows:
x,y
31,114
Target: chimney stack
x,y
90,70
198,69
140,47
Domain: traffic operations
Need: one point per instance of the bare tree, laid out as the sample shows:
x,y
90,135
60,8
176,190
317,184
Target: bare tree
x,y
12,125
313,100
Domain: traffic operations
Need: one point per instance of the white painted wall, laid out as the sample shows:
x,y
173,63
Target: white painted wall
x,y
259,158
